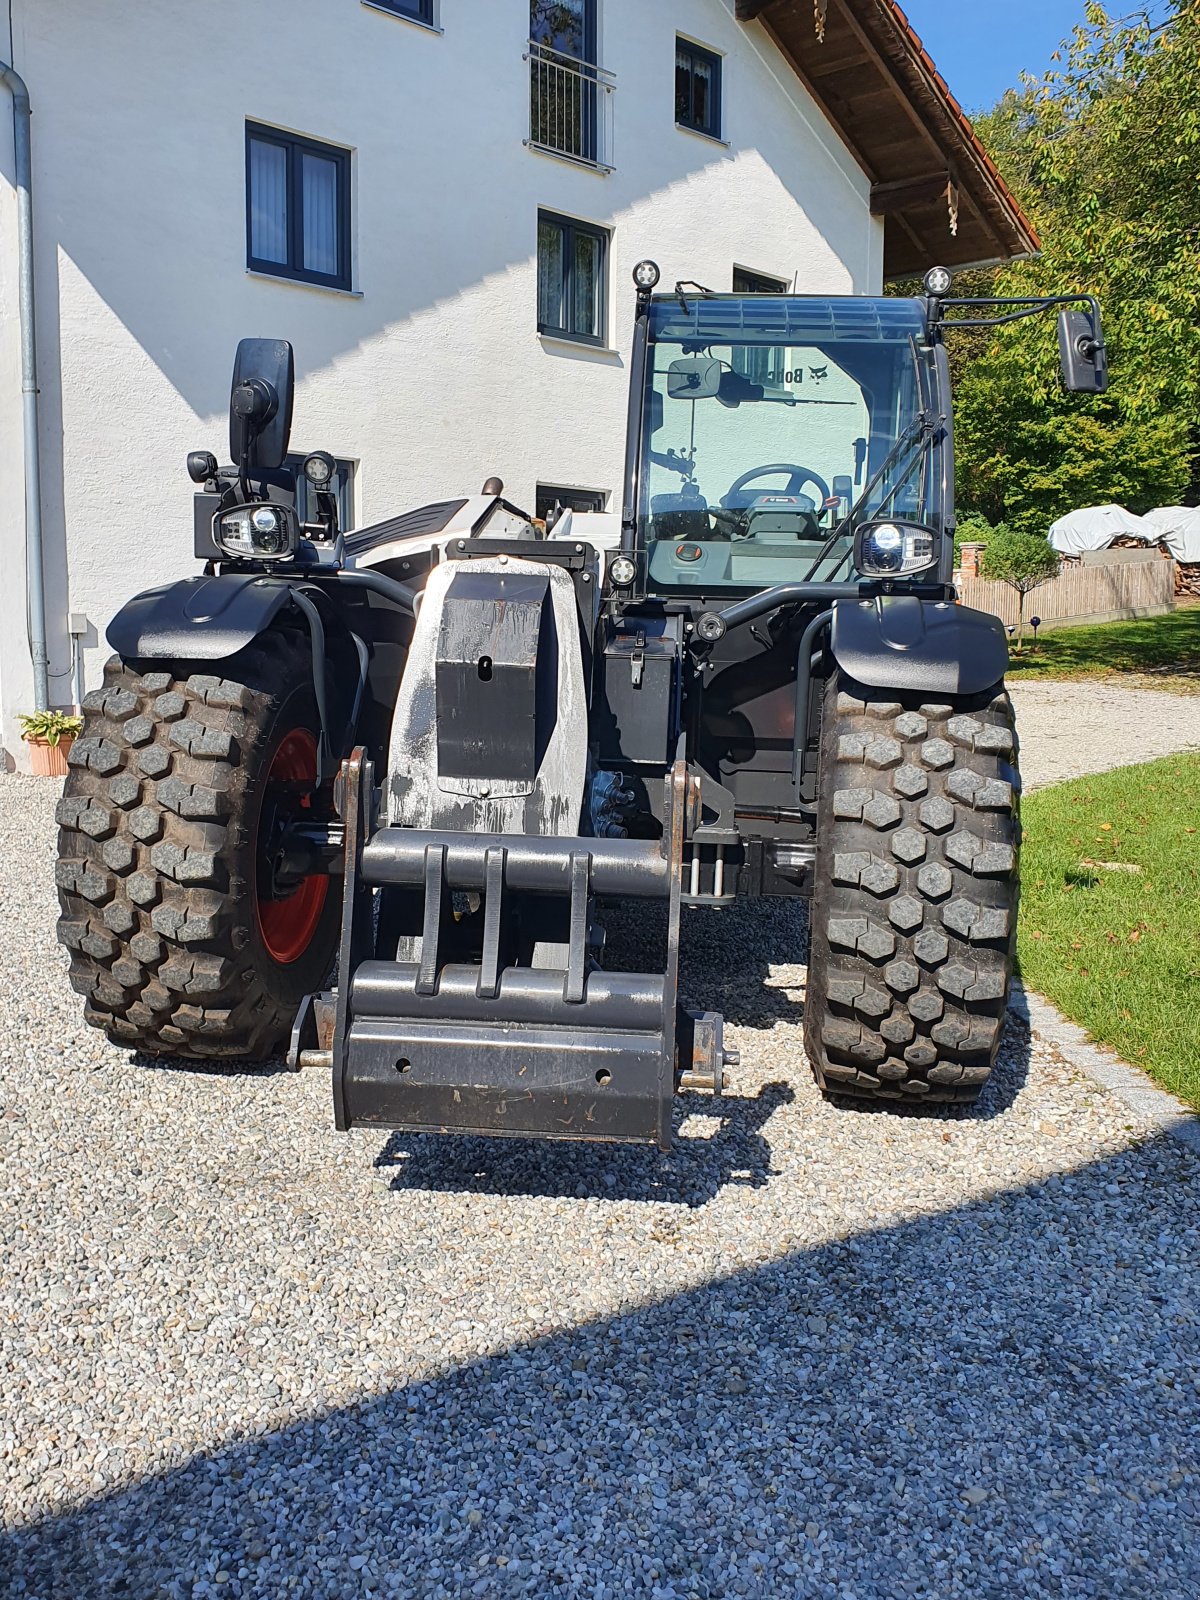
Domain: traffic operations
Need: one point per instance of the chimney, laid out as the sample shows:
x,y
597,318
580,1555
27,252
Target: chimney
x,y
971,554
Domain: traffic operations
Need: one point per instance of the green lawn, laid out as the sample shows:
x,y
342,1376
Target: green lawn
x,y
1165,649
1119,951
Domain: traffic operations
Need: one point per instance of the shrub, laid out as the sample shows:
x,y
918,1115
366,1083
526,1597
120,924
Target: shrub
x,y
1023,561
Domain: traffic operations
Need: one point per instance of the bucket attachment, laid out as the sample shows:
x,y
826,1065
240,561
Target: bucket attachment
x,y
498,1020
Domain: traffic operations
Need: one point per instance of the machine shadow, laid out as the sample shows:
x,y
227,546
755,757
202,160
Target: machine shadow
x,y
1008,1383
738,949
702,1162
754,955
274,1068
732,1150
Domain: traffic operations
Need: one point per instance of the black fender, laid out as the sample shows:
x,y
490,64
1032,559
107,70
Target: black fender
x,y
197,619
901,641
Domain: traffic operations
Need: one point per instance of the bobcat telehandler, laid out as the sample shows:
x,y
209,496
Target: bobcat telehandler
x,y
366,796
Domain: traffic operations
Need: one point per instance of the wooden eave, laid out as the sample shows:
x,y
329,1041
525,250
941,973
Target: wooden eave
x,y
942,200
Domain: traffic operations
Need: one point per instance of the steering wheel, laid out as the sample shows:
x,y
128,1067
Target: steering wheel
x,y
796,477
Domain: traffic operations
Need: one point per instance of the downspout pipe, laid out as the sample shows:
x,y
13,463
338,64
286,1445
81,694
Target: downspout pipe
x,y
35,585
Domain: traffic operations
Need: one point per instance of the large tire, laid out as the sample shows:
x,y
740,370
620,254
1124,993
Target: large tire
x,y
163,911
915,897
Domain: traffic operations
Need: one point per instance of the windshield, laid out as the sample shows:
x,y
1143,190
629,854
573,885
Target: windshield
x,y
766,419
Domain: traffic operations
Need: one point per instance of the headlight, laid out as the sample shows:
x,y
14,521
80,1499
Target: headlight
x,y
892,549
256,533
622,571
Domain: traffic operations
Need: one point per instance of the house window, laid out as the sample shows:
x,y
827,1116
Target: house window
x,y
567,88
552,495
342,486
297,207
697,89
567,27
418,10
572,262
755,362
756,283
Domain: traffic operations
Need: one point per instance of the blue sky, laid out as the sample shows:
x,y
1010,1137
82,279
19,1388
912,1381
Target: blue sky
x,y
982,46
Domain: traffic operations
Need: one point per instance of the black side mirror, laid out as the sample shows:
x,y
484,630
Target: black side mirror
x,y
1081,347
260,403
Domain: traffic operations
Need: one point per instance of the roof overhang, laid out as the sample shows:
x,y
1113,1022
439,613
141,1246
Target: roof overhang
x,y
937,189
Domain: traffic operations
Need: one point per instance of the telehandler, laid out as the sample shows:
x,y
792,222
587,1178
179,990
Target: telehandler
x,y
365,796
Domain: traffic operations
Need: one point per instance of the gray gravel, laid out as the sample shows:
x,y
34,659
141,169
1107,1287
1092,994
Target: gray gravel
x,y
814,1352
1068,729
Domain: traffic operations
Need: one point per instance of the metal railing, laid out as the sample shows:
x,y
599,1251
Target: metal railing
x,y
570,107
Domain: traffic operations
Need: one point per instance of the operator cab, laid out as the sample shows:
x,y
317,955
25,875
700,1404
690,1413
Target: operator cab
x,y
767,422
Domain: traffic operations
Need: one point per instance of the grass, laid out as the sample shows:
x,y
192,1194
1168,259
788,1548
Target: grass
x,y
1165,650
1119,951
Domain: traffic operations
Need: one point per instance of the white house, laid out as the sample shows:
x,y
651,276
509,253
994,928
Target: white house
x,y
439,202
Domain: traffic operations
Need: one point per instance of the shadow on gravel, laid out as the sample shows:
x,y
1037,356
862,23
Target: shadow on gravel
x,y
732,1150
991,1401
1009,1077
209,1069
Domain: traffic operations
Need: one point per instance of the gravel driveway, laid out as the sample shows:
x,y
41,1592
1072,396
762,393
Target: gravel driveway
x,y
1068,729
814,1352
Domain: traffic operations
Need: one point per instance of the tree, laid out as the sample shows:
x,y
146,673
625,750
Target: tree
x,y
1104,153
1024,562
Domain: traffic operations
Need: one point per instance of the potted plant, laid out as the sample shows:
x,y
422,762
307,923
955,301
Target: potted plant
x,y
49,735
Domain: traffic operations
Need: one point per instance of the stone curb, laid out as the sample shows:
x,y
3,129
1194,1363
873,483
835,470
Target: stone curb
x,y
1126,1083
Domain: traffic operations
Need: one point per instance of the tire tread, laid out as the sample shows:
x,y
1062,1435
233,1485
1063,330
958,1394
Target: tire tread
x,y
914,910
153,825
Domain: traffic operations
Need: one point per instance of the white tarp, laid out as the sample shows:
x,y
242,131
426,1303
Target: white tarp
x,y
1095,528
1179,529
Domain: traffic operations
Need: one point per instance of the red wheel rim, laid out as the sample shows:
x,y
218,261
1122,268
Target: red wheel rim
x,y
287,925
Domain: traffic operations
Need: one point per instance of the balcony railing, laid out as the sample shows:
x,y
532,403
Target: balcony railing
x,y
570,107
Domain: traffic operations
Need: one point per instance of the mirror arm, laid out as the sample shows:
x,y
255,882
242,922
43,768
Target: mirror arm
x,y
1032,306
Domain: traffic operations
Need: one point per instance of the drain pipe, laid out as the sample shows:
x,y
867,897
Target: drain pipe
x,y
35,588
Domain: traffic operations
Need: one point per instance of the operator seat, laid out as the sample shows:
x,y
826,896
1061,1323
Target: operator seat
x,y
681,516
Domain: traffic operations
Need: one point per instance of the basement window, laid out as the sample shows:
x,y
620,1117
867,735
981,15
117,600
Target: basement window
x,y
552,495
341,485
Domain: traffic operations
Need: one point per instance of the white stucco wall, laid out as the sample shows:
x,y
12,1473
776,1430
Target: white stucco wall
x,y
432,375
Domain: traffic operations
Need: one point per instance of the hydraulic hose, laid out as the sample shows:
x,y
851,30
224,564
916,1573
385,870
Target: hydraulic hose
x,y
364,578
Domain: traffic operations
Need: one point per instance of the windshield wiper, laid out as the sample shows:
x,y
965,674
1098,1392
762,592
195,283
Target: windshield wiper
x,y
921,431
690,283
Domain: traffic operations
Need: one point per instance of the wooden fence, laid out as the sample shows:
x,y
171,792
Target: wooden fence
x,y
1080,594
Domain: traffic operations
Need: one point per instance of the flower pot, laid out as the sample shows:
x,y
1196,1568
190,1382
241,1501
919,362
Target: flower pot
x,y
48,760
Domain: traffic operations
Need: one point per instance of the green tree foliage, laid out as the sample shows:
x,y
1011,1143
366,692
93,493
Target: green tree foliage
x,y
1022,560
1104,153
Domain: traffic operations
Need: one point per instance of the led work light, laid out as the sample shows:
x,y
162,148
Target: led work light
x,y
893,549
257,533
